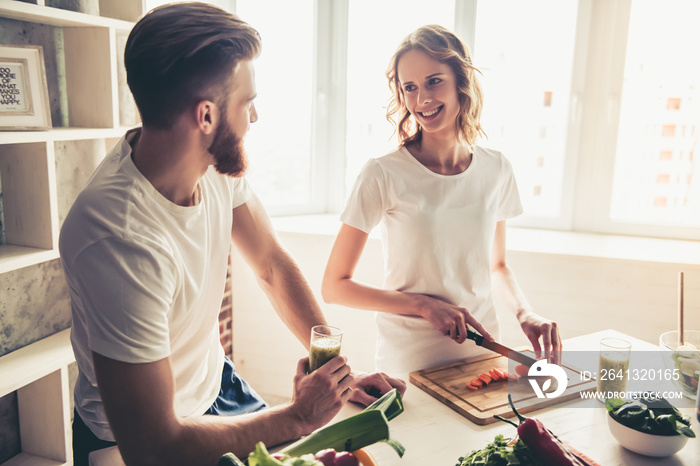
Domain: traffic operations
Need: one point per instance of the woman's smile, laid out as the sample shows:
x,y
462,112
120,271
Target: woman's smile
x,y
429,114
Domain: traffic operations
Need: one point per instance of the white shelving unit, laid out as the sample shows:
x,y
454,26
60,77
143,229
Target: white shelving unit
x,y
39,374
39,371
27,160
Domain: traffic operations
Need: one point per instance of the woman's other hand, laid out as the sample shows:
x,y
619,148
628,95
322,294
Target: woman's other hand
x,y
369,387
543,334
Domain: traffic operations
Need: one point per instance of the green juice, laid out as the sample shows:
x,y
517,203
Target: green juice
x,y
322,350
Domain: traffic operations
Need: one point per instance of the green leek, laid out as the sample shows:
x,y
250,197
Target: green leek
x,y
358,431
390,404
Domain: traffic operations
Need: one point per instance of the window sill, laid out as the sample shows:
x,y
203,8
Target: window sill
x,y
531,240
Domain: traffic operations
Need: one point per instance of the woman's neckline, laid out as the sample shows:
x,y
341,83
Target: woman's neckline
x,y
438,174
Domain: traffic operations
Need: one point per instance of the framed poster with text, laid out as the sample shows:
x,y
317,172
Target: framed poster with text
x,y
24,98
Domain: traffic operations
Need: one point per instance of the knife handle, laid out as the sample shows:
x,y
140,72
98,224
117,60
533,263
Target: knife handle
x,y
475,336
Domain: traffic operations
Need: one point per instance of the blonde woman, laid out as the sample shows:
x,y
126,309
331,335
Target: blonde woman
x,y
441,204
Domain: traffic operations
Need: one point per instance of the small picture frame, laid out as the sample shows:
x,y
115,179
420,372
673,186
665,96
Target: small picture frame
x,y
24,97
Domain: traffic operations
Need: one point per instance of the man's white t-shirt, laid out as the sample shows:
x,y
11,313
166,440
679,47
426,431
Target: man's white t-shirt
x,y
437,233
146,278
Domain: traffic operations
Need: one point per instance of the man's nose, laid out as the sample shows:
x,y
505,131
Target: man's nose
x,y
253,113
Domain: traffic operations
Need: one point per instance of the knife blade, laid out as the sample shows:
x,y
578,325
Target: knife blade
x,y
501,349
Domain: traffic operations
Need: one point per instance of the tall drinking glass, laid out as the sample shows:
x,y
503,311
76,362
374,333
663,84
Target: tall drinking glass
x,y
325,345
613,366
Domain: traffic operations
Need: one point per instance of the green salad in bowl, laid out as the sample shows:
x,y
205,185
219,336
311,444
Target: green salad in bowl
x,y
649,427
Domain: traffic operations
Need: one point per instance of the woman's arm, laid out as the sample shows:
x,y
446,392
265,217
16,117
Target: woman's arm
x,y
339,287
534,326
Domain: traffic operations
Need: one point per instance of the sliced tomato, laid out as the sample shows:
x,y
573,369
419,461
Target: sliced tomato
x,y
503,372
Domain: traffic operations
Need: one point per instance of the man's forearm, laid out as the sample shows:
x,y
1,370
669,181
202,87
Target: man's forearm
x,y
138,399
202,440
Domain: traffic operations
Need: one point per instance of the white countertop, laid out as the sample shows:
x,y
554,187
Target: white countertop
x,y
435,435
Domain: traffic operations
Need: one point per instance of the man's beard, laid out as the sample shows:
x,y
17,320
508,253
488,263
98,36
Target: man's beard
x,y
228,151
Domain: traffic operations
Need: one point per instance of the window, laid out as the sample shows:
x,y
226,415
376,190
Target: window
x,y
372,40
598,116
661,87
526,91
279,144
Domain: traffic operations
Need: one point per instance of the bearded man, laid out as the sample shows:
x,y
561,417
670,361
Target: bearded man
x,y
145,250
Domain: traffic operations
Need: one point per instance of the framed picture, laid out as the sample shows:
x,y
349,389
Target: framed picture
x,y
24,98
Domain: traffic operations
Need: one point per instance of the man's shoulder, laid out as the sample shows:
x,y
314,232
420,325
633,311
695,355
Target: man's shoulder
x,y
103,209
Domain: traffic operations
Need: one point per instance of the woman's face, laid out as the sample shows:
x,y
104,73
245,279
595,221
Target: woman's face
x,y
430,91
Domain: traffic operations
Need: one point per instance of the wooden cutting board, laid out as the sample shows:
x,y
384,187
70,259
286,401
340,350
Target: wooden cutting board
x,y
447,384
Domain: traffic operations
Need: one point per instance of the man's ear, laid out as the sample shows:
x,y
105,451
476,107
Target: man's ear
x,y
206,115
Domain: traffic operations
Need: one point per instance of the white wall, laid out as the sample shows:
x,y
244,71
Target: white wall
x,y
582,293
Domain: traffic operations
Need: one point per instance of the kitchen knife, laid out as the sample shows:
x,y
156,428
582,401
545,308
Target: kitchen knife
x,y
500,349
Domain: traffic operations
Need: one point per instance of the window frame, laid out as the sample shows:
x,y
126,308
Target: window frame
x,y
600,49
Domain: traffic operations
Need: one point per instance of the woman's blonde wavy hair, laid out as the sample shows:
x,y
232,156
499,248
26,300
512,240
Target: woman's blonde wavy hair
x,y
444,46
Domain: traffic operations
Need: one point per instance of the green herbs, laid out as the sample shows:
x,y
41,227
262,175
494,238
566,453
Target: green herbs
x,y
658,416
500,453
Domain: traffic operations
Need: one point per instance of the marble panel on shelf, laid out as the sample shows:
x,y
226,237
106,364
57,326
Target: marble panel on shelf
x,y
35,304
75,163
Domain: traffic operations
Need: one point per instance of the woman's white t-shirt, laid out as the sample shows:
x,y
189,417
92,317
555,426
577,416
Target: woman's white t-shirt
x,y
437,233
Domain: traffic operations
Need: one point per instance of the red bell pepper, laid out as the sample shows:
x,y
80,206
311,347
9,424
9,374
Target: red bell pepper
x,y
544,444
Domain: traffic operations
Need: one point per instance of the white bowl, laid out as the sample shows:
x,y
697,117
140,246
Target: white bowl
x,y
646,444
685,361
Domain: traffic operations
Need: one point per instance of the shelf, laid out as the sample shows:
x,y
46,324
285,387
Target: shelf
x,y
15,257
25,459
29,202
25,365
61,134
41,174
21,11
39,374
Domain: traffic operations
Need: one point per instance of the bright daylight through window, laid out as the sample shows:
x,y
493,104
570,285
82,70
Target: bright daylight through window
x,y
279,143
657,174
600,117
527,86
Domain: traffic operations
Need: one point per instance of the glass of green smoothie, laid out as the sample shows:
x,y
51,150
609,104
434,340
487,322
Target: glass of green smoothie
x,y
613,367
325,345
